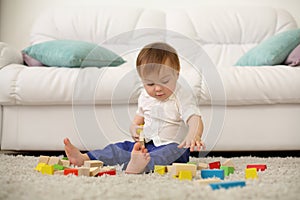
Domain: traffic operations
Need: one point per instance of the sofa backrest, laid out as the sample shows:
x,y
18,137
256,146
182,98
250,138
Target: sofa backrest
x,y
93,24
225,33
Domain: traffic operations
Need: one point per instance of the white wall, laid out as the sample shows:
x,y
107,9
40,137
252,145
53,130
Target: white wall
x,y
17,16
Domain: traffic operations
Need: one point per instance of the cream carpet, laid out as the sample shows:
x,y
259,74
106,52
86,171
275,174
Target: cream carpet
x,y
18,180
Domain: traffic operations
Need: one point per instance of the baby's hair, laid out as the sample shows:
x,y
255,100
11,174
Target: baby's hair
x,y
156,54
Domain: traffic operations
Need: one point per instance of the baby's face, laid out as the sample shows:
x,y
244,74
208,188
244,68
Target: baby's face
x,y
160,84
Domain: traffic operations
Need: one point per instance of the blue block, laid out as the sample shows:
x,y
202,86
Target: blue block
x,y
211,173
226,185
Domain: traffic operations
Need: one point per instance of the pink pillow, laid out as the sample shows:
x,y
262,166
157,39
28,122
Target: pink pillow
x,y
31,61
293,58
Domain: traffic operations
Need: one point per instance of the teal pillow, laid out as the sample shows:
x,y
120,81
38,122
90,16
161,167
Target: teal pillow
x,y
272,51
71,53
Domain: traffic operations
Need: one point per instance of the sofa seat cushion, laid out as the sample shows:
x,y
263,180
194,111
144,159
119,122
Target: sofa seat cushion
x,y
257,85
21,85
62,86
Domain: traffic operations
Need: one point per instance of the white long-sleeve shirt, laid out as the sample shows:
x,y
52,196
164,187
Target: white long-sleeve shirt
x,y
166,121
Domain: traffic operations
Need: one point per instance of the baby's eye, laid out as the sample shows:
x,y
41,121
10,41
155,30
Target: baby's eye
x,y
150,84
165,82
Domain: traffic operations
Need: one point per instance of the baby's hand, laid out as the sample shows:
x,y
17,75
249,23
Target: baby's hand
x,y
192,144
135,132
198,145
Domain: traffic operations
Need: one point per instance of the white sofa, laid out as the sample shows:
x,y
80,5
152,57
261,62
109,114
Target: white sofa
x,y
244,108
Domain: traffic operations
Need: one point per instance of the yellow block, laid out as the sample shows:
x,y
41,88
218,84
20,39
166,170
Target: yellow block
x,y
251,173
177,167
139,130
39,166
185,175
47,169
160,169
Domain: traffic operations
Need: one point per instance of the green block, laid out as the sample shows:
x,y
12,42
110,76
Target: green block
x,y
58,167
231,170
65,158
226,170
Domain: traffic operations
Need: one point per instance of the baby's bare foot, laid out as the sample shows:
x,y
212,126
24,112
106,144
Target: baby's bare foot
x,y
139,160
74,155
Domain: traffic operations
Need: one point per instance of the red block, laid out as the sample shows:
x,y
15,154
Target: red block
x,y
109,172
71,171
260,167
214,165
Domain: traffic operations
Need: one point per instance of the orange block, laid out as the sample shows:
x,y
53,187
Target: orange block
x,y
109,172
71,171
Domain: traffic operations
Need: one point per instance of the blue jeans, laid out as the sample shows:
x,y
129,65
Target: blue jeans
x,y
120,153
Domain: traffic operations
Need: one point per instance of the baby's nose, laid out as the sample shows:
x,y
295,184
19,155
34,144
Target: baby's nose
x,y
158,87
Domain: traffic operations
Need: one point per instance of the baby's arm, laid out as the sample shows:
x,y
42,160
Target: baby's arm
x,y
194,135
135,125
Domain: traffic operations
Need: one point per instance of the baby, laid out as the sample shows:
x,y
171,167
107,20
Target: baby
x,y
171,119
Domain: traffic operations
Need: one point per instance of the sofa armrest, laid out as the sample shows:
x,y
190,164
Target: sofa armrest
x,y
9,55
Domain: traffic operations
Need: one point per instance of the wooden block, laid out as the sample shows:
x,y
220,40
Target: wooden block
x,y
185,175
142,138
39,166
228,184
177,167
212,173
59,172
94,171
83,171
201,166
208,180
44,159
71,171
251,173
160,169
169,168
47,169
93,163
228,163
65,163
54,160
214,165
258,167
